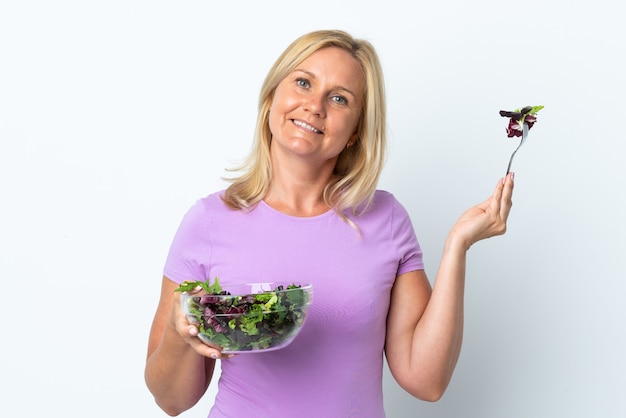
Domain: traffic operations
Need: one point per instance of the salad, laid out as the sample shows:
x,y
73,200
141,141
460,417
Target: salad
x,y
246,322
519,117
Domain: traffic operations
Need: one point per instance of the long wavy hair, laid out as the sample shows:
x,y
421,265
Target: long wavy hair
x,y
358,168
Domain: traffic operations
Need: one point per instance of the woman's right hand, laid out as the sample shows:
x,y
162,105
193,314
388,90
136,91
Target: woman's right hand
x,y
189,332
179,366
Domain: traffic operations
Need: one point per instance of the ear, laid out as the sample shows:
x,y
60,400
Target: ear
x,y
353,139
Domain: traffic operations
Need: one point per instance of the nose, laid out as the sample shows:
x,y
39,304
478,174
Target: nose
x,y
316,104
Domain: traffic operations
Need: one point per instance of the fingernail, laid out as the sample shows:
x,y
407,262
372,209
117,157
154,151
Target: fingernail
x,y
512,175
214,356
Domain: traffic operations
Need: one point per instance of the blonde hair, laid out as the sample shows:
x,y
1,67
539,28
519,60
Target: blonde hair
x,y
358,167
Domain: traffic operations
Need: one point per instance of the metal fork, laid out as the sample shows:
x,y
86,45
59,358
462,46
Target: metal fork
x,y
524,136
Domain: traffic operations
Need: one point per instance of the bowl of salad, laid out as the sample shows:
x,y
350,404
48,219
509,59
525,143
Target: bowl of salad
x,y
249,317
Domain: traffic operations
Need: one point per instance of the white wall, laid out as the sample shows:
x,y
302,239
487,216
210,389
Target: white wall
x,y
116,116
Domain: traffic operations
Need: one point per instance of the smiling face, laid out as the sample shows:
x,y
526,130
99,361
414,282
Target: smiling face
x,y
316,108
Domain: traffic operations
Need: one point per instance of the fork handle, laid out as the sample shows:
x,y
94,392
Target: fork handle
x,y
508,168
525,129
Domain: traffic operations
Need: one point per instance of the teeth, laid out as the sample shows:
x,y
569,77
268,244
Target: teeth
x,y
306,126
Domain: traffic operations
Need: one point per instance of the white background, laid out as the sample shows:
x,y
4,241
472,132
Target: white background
x,y
116,116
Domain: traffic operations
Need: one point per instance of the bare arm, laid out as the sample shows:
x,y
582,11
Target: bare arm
x,y
424,326
179,367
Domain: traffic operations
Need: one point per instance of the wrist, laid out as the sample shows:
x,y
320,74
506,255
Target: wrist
x,y
457,243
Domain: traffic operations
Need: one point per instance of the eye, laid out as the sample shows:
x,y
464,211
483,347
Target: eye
x,y
303,82
339,100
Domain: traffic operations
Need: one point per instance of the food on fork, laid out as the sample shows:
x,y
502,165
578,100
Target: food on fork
x,y
519,117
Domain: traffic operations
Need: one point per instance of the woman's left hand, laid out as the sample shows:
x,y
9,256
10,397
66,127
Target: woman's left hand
x,y
488,218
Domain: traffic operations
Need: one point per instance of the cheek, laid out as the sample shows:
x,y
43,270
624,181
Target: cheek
x,y
278,105
271,121
281,97
351,127
273,115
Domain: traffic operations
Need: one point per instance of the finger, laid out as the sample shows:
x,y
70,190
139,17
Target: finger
x,y
497,193
506,197
187,327
494,202
190,333
210,350
206,350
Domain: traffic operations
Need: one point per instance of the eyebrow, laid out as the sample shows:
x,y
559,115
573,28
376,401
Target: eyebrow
x,y
311,75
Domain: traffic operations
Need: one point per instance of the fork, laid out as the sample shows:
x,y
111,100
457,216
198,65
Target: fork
x,y
524,136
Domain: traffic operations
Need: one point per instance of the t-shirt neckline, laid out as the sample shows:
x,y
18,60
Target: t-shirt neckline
x,y
264,204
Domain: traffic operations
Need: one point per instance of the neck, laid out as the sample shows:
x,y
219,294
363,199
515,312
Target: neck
x,y
297,188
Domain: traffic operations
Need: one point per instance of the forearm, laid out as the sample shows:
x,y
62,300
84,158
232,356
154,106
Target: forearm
x,y
425,326
176,374
438,336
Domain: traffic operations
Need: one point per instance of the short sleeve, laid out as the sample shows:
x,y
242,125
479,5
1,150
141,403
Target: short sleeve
x,y
409,250
190,248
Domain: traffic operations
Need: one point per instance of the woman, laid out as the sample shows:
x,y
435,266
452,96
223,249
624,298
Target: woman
x,y
305,208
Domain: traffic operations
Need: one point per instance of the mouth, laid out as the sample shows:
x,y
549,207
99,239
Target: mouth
x,y
306,126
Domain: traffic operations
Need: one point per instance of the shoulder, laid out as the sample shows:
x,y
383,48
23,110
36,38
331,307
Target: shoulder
x,y
384,197
384,208
388,207
212,200
386,201
209,203
205,207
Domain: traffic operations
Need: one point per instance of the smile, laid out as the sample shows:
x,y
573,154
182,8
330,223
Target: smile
x,y
306,126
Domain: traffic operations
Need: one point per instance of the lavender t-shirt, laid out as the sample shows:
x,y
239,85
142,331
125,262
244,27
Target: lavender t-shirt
x,y
334,366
